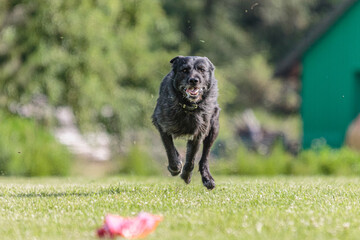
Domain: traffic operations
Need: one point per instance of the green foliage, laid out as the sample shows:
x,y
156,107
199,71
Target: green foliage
x,y
255,81
27,149
89,55
244,162
277,25
316,161
327,161
139,162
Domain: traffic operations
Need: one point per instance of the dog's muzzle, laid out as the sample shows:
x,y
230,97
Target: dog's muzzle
x,y
192,93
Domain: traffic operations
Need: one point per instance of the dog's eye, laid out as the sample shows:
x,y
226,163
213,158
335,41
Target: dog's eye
x,y
202,70
185,70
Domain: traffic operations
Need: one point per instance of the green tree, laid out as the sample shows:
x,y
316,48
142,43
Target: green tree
x,y
100,57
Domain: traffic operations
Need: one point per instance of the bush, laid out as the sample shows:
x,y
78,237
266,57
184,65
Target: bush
x,y
27,149
251,163
139,162
316,161
327,161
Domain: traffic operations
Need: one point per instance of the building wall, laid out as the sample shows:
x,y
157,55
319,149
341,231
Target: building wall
x,y
331,81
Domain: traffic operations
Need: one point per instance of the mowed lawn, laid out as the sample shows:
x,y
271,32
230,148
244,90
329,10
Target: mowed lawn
x,y
239,207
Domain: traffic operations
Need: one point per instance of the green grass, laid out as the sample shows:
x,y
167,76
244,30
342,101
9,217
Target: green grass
x,y
239,208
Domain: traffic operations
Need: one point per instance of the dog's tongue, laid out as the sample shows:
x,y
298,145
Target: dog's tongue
x,y
192,90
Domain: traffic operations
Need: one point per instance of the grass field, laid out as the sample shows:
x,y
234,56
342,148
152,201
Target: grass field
x,y
239,207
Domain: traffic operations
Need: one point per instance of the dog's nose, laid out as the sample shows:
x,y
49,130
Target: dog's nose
x,y
193,80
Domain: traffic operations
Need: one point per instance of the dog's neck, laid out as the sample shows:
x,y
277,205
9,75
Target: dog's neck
x,y
189,107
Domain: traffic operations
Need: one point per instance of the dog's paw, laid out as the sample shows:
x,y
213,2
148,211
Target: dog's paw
x,y
175,171
209,183
186,176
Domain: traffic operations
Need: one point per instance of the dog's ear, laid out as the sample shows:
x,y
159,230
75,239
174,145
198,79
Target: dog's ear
x,y
212,67
175,59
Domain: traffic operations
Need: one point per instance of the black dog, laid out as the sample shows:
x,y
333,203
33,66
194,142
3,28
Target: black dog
x,y
187,106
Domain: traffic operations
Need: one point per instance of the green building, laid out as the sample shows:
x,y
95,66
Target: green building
x,y
327,62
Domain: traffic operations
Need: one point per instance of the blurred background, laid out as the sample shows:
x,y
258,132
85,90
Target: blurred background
x,y
79,82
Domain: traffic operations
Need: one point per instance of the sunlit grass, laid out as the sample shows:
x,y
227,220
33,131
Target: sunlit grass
x,y
239,208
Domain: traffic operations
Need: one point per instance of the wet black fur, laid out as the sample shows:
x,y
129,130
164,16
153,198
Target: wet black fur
x,y
178,115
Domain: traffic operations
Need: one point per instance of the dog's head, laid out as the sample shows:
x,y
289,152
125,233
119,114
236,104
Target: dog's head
x,y
193,76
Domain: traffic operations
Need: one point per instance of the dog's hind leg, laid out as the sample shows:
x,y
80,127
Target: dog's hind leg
x,y
192,149
172,154
206,177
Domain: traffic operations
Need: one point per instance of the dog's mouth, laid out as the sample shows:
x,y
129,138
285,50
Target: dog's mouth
x,y
192,91
193,94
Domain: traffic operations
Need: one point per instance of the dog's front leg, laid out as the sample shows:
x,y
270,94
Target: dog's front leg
x,y
206,177
192,149
172,154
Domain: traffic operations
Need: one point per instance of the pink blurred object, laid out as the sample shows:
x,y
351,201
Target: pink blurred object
x,y
137,227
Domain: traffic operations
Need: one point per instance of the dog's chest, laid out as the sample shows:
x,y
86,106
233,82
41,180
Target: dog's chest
x,y
188,124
